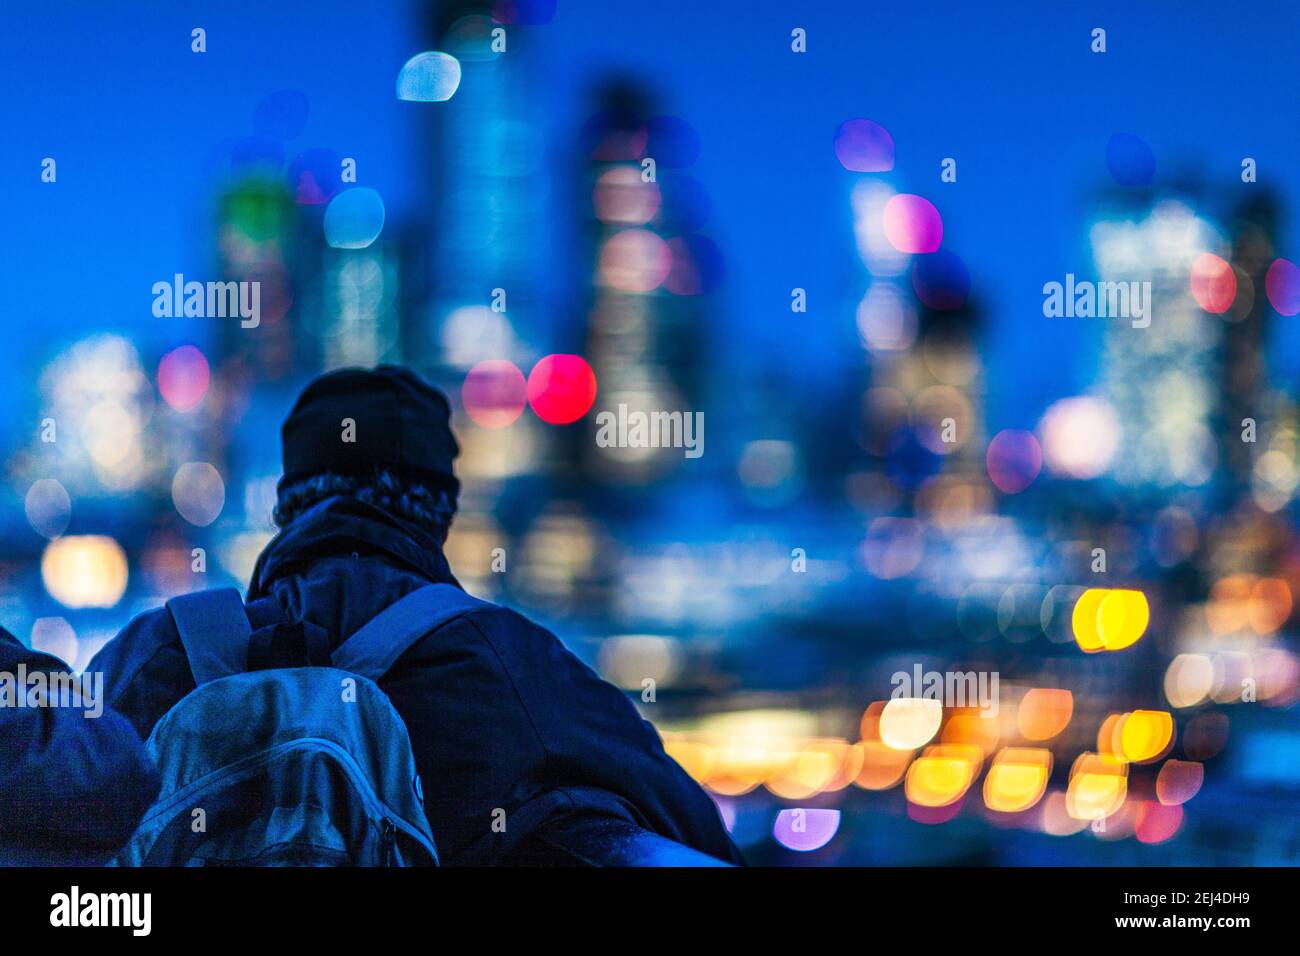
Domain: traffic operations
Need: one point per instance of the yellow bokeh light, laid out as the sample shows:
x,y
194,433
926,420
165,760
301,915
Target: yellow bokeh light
x,y
1122,618
732,753
1017,779
1098,786
739,767
694,757
907,723
808,769
1108,735
941,775
1109,619
1145,735
85,571
1084,619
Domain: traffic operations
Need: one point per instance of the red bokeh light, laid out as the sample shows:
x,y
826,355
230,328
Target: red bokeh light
x,y
561,388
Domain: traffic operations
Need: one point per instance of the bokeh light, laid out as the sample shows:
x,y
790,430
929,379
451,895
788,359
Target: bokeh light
x,y
622,197
561,388
635,260
312,179
1044,712
1098,786
863,146
55,636
1013,460
886,319
494,393
430,77
1083,620
84,571
869,199
1122,618
48,507
912,224
805,829
354,218
941,775
198,493
1282,285
893,547
941,280
1107,619
1017,779
907,723
1143,736
628,660
1214,284
1189,679
1179,781
183,377
696,267
1080,436
882,766
1156,822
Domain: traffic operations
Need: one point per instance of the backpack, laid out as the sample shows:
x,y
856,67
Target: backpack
x,y
299,766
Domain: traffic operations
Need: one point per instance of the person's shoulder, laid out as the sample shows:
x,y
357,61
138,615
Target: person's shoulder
x,y
155,621
502,624
497,618
140,639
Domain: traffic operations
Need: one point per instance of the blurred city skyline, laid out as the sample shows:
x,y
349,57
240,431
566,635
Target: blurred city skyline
x,y
140,156
911,466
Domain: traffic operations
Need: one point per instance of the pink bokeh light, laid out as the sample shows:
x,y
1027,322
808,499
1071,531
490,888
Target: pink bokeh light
x,y
1282,283
1214,284
183,377
805,829
863,146
494,393
912,224
1014,460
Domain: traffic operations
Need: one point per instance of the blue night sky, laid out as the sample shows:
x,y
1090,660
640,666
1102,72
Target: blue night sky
x,y
137,122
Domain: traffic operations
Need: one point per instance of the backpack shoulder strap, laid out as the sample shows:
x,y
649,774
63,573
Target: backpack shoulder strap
x,y
214,629
374,649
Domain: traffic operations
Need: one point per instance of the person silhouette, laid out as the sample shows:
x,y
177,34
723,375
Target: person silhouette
x,y
511,733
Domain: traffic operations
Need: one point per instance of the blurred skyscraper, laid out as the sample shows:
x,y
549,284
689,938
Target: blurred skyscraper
x,y
1161,379
643,327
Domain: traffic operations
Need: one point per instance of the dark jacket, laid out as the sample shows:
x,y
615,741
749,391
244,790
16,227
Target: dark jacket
x,y
501,716
72,786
